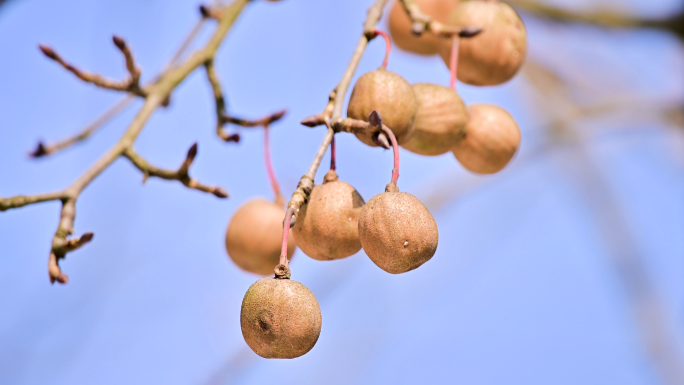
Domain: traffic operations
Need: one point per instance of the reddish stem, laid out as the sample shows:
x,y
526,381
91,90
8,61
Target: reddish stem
x,y
269,164
286,235
333,154
395,148
453,62
388,47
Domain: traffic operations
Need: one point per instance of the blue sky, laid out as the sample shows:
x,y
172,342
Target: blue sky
x,y
522,290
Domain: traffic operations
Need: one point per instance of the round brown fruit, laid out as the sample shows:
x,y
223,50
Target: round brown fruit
x,y
400,25
389,94
491,139
495,55
440,122
327,226
280,318
397,232
254,236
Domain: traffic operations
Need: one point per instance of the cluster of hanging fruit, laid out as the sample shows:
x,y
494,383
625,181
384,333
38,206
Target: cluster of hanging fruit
x,y
281,318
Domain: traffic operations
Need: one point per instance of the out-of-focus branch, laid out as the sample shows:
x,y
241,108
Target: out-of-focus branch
x,y
222,117
182,174
333,110
420,22
650,316
132,84
605,18
48,149
155,95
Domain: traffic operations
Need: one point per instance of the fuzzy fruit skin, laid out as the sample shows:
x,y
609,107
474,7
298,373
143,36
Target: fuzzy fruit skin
x,y
280,318
400,25
495,55
389,94
254,236
327,225
397,231
440,122
492,138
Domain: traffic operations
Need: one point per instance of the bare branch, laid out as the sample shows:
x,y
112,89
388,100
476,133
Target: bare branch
x,y
48,149
605,18
182,174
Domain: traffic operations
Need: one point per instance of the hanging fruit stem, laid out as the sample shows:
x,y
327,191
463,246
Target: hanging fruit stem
x,y
453,61
388,47
269,164
395,148
333,154
286,233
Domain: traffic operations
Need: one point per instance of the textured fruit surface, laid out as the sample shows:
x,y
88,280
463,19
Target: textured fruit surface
x,y
327,225
440,122
397,232
280,318
495,55
400,25
492,138
255,234
389,94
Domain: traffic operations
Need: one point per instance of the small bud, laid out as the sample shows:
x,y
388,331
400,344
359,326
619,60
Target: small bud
x,y
47,51
119,42
220,192
192,152
277,116
166,102
61,278
467,32
417,29
39,151
233,138
375,119
381,140
85,238
312,121
204,10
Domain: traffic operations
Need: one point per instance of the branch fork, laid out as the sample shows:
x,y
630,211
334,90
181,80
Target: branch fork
x,y
182,174
131,85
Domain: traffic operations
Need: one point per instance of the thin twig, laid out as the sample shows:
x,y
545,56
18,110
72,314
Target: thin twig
x,y
182,174
132,84
47,149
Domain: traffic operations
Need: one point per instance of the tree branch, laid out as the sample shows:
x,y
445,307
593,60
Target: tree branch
x,y
222,117
155,95
48,149
182,174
